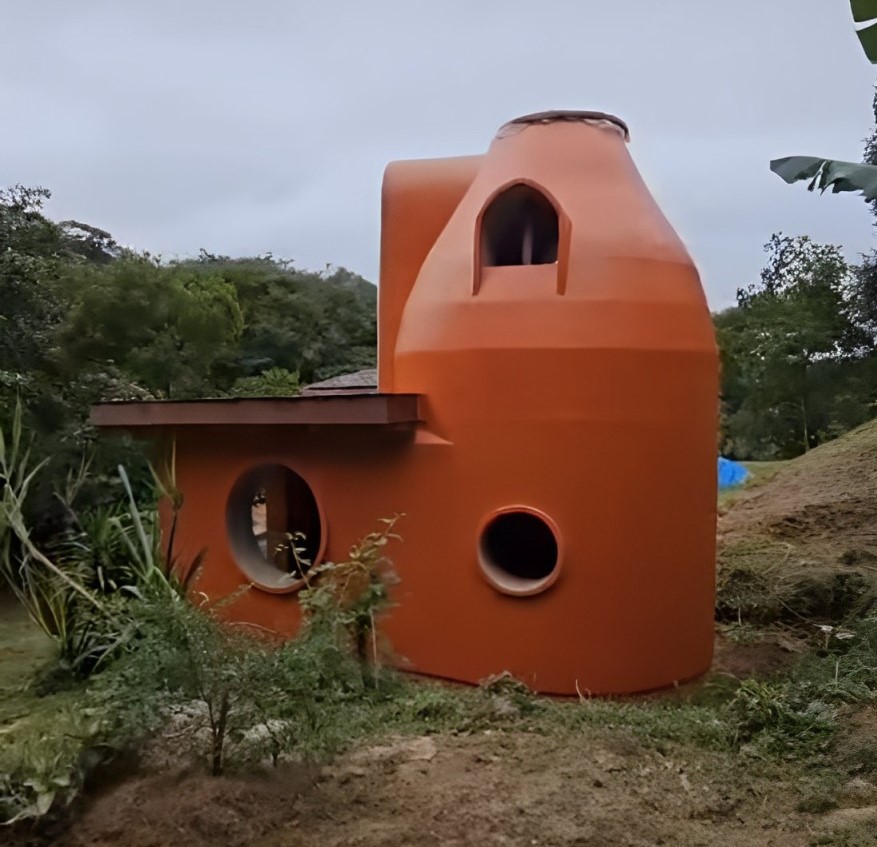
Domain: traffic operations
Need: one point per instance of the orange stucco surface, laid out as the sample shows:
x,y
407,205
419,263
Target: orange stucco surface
x,y
582,390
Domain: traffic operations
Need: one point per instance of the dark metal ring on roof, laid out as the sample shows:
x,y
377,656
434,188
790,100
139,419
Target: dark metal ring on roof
x,y
569,115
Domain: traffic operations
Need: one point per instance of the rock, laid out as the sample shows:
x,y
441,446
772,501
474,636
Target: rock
x,y
420,749
503,707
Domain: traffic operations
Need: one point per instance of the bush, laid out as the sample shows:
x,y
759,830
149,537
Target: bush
x,y
800,715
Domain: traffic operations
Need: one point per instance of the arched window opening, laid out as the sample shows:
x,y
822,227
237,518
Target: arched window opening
x,y
520,227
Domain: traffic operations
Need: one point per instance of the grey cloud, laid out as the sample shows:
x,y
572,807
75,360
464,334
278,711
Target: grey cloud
x,y
265,125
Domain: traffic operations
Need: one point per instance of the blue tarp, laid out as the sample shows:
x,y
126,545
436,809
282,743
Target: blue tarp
x,y
731,473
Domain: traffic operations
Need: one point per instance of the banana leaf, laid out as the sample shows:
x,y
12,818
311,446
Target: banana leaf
x,y
824,174
865,11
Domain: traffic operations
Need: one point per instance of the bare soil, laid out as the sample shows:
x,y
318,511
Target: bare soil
x,y
523,788
766,656
596,788
187,808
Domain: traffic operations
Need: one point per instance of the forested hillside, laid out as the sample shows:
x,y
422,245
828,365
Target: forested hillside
x,y
83,319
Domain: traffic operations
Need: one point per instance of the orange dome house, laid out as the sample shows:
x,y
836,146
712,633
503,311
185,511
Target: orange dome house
x,y
545,418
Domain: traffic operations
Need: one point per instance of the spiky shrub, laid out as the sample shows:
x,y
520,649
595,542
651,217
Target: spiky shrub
x,y
51,594
79,589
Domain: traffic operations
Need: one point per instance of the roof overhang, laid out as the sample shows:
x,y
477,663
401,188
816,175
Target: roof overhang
x,y
366,409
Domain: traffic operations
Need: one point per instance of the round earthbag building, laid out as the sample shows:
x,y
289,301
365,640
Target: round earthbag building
x,y
559,335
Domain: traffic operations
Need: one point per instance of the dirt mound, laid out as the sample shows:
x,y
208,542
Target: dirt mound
x,y
804,544
766,656
527,788
191,809
828,494
592,787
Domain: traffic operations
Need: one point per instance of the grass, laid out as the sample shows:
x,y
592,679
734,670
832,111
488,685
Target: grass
x,y
794,569
760,473
41,737
23,648
764,580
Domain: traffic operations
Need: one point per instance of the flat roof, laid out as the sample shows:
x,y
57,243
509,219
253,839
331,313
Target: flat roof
x,y
366,408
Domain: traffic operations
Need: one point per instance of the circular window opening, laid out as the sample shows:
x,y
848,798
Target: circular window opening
x,y
519,551
274,527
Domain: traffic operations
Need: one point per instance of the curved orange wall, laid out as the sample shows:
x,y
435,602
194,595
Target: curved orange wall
x,y
595,406
582,390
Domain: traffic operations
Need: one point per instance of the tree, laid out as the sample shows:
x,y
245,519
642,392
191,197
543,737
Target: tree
x,y
29,269
789,350
82,320
170,330
864,299
316,325
37,257
831,173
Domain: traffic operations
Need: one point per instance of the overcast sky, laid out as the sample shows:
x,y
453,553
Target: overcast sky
x,y
265,125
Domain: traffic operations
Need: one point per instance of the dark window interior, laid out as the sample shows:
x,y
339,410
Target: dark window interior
x,y
284,514
520,544
520,227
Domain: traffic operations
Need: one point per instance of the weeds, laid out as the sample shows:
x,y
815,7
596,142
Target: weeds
x,y
45,757
80,590
765,581
46,590
741,632
249,698
343,599
799,715
107,583
774,717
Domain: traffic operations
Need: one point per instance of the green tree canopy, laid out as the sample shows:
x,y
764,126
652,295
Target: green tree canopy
x,y
82,319
790,353
168,329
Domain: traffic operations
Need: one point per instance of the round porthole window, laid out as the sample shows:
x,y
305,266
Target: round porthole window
x,y
275,528
519,551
